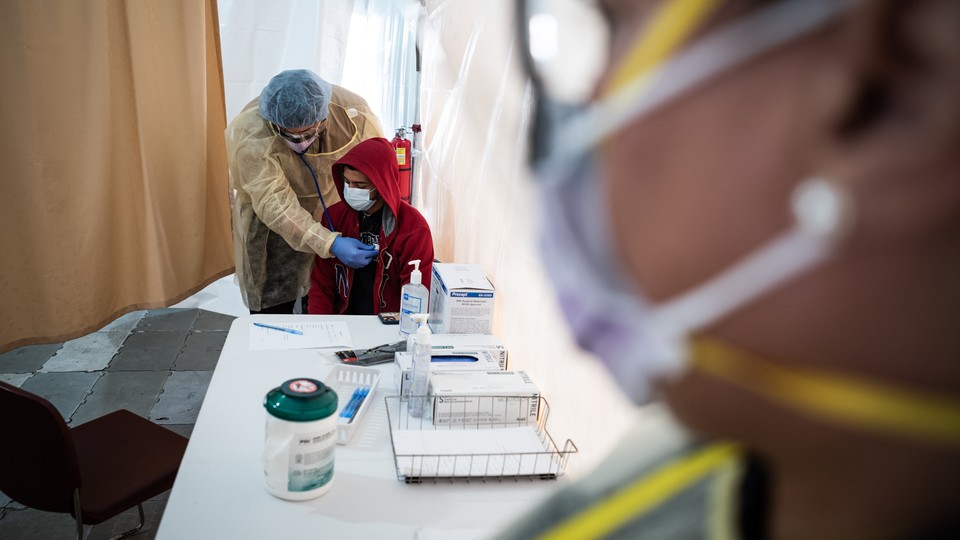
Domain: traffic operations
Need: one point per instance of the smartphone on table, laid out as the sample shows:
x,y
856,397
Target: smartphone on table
x,y
389,317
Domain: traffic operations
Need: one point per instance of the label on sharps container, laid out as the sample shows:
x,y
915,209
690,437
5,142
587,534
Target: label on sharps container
x,y
311,460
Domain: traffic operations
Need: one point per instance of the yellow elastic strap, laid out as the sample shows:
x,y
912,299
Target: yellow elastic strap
x,y
644,494
666,31
863,404
356,133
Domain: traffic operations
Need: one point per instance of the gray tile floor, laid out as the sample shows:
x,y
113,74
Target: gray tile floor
x,y
155,363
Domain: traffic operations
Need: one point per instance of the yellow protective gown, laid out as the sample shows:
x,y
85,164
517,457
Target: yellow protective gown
x,y
277,214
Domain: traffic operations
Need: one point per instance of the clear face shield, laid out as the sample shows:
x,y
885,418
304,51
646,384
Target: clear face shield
x,y
299,142
566,44
576,113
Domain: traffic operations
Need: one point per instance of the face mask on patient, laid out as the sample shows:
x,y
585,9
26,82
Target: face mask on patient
x,y
358,199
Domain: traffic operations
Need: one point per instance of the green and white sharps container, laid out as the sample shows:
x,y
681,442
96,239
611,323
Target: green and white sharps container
x,y
301,437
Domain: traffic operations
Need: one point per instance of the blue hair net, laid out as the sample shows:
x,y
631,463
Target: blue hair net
x,y
295,98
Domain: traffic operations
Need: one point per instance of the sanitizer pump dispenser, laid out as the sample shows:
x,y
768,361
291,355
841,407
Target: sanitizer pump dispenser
x,y
422,353
414,298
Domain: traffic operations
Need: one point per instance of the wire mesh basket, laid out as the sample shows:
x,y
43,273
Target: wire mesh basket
x,y
474,438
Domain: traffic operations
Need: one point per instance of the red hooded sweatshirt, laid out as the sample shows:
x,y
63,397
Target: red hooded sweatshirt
x,y
404,236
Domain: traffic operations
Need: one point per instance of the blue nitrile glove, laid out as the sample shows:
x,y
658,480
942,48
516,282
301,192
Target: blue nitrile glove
x,y
353,252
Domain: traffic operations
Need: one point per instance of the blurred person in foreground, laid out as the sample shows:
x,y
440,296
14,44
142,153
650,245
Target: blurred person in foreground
x,y
371,210
279,150
777,259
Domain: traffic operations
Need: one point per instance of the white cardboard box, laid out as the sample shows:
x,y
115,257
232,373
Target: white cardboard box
x,y
461,300
476,361
484,397
466,343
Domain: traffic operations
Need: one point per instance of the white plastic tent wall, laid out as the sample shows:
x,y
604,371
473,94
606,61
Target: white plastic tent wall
x,y
473,186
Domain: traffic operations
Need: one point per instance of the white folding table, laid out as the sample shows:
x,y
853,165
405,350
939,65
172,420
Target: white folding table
x,y
219,490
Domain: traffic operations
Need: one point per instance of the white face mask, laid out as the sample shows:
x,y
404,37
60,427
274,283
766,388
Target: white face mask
x,y
301,147
637,340
358,199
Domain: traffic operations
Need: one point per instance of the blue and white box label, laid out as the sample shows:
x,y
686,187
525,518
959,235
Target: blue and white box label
x,y
461,300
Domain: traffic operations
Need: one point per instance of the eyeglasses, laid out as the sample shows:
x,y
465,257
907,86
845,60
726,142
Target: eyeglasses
x,y
297,138
565,45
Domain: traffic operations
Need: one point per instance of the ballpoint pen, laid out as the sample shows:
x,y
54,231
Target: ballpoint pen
x,y
279,328
356,406
345,413
349,412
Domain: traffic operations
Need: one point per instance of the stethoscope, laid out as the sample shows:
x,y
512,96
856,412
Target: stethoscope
x,y
317,185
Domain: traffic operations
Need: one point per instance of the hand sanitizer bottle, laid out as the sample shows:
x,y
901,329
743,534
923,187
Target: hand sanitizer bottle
x,y
413,299
422,349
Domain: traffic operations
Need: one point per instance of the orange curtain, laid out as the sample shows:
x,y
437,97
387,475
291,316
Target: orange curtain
x,y
114,183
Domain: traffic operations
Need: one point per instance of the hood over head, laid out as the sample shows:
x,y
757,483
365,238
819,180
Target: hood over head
x,y
377,159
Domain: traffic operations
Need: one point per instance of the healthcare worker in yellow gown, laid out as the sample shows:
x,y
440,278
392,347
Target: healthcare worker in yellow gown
x,y
280,149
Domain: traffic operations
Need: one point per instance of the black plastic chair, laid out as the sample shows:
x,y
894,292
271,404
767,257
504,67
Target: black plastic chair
x,y
93,471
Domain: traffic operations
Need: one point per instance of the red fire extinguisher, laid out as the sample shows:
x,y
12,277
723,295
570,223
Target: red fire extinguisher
x,y
404,162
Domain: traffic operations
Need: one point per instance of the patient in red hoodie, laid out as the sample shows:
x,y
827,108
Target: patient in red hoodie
x,y
371,211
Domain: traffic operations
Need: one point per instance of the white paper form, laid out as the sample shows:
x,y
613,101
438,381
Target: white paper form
x,y
314,335
512,451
